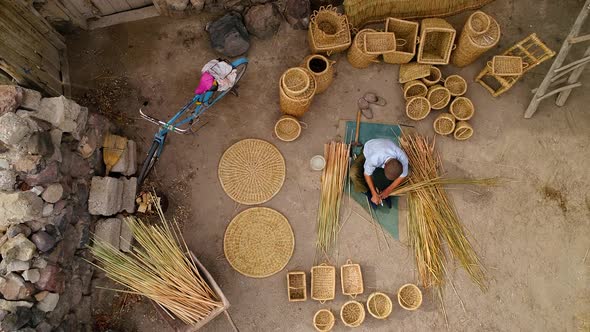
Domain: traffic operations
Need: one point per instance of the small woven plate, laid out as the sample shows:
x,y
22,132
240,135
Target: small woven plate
x,y
258,242
251,171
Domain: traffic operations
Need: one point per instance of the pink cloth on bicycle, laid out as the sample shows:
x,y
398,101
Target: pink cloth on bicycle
x,y
206,82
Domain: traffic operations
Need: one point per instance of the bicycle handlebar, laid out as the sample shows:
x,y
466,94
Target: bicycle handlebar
x,y
161,123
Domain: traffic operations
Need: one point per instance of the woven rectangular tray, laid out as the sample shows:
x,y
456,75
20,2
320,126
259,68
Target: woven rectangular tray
x,y
504,65
351,279
296,286
323,282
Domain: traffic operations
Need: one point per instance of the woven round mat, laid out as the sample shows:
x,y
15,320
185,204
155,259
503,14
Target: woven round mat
x,y
251,171
258,242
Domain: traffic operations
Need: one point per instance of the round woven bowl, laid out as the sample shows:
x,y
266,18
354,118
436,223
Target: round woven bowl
x,y
463,131
462,108
352,313
323,320
444,124
295,81
456,84
438,96
379,305
409,297
288,128
414,88
417,108
433,77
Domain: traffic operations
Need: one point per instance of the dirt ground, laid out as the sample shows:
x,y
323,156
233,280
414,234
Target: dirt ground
x,y
532,233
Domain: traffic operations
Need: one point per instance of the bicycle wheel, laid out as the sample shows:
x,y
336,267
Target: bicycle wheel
x,y
148,163
240,65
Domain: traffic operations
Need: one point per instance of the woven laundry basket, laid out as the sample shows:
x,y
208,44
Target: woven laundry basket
x,y
329,31
322,69
436,41
433,77
287,128
352,313
296,286
379,305
413,71
417,108
406,34
456,84
323,283
476,39
463,131
409,297
444,124
356,53
413,89
462,108
323,320
295,82
438,96
297,106
503,65
377,43
351,279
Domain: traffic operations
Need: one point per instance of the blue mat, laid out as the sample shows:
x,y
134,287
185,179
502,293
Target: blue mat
x,y
387,218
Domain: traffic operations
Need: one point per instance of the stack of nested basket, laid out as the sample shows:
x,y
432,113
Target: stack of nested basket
x,y
329,31
297,87
480,33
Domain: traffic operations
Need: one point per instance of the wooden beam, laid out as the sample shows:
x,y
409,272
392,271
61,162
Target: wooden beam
x,y
128,16
65,74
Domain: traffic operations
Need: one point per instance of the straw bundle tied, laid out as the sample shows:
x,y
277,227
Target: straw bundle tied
x,y
159,269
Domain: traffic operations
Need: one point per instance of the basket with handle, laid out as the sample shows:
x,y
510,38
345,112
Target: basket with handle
x,y
463,131
323,282
417,108
433,77
456,84
406,31
413,71
409,297
297,106
438,96
462,108
287,128
444,124
503,65
351,279
295,82
436,41
322,70
379,305
352,313
377,43
329,31
413,89
296,286
323,320
475,39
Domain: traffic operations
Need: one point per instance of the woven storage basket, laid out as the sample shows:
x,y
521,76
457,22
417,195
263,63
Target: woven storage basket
x,y
436,41
296,286
351,279
379,305
295,82
328,31
323,283
433,77
472,44
438,96
356,53
409,297
288,128
323,320
462,108
417,108
503,65
456,84
413,71
352,313
444,124
413,89
406,31
297,106
479,23
322,70
377,43
463,131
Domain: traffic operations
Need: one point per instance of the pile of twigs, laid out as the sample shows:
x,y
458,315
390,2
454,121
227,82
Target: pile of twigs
x,y
160,268
331,192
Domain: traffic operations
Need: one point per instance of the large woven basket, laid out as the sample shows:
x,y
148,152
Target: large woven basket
x,y
379,305
463,131
444,124
296,286
287,128
323,320
356,53
323,283
436,41
475,40
297,106
462,108
406,31
322,69
295,82
503,65
417,108
433,77
413,89
456,84
351,279
377,43
328,31
413,71
438,96
352,313
409,297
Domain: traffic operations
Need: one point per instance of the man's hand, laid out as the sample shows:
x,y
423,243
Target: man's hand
x,y
376,199
384,194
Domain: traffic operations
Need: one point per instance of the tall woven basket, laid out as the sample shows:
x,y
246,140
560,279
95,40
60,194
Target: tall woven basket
x,y
406,31
329,31
297,106
356,53
480,33
322,69
436,41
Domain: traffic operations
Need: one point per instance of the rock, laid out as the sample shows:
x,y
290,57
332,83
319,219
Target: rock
x,y
65,249
11,97
297,13
129,193
13,287
198,5
15,320
19,247
83,231
13,129
12,306
44,327
15,230
35,225
60,112
73,164
88,144
47,210
108,230
43,241
31,275
45,176
229,35
17,266
26,163
31,100
81,122
18,207
263,21
126,239
178,5
83,310
105,196
51,279
4,164
83,270
127,164
56,136
48,303
40,143
39,263
61,310
3,314
7,180
37,316
53,193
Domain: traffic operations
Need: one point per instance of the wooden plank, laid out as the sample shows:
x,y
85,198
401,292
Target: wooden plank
x,y
579,39
65,74
162,7
120,5
84,7
35,21
26,72
103,6
76,17
128,16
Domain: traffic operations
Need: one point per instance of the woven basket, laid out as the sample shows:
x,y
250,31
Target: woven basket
x,y
356,53
436,41
379,305
352,314
414,89
288,128
433,77
322,69
413,71
404,30
417,108
438,96
456,84
328,31
297,106
323,283
296,286
503,65
472,42
295,82
462,108
351,279
463,131
409,297
377,43
444,124
323,320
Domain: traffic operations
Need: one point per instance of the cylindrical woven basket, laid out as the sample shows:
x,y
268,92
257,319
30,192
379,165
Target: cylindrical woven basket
x,y
351,279
356,53
379,305
433,77
322,69
288,128
295,82
463,131
328,31
444,124
377,43
404,30
297,106
323,320
414,89
462,108
472,42
352,313
456,84
409,297
417,108
438,96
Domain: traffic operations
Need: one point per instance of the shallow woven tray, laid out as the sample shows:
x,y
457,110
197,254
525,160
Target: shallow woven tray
x,y
288,128
323,282
409,297
463,131
503,65
258,242
352,313
379,305
351,279
251,171
296,286
323,320
413,71
462,108
444,124
417,108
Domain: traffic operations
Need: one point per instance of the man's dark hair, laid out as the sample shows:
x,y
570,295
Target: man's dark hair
x,y
393,169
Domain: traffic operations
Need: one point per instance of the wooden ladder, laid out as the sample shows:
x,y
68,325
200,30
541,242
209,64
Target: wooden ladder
x,y
558,72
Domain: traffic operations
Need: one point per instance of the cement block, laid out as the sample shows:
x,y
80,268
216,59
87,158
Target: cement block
x,y
13,129
31,100
108,230
129,193
126,235
105,196
127,164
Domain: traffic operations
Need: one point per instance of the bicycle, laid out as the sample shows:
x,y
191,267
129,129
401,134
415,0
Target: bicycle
x,y
201,103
